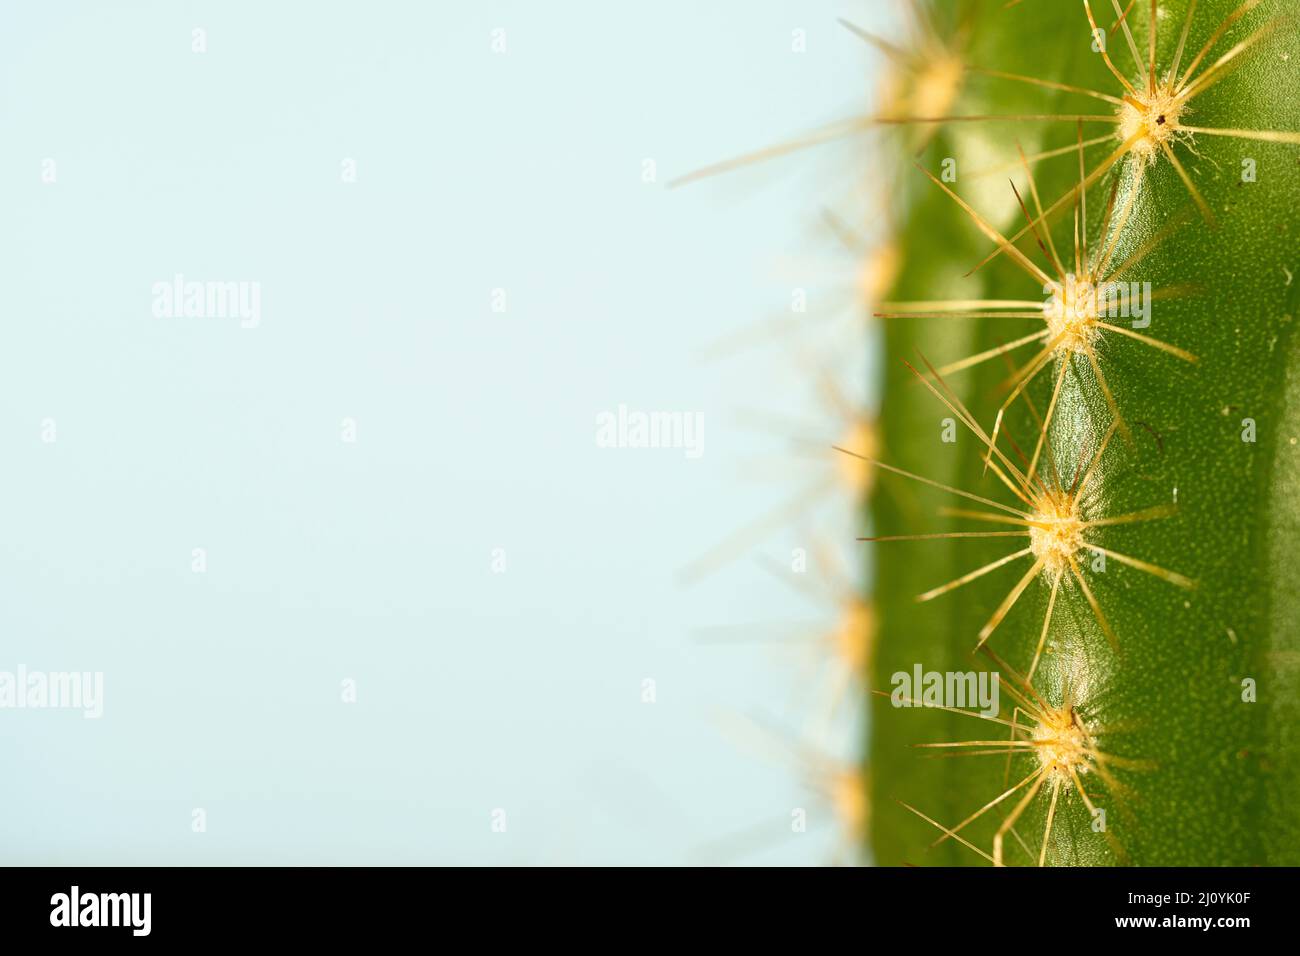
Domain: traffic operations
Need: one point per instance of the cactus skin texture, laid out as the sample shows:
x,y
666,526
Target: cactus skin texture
x,y
1206,775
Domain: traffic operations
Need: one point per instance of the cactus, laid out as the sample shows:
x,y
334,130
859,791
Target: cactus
x,y
1088,489
1136,453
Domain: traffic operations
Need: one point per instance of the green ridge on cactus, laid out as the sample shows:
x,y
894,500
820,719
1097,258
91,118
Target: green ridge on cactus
x,y
1215,773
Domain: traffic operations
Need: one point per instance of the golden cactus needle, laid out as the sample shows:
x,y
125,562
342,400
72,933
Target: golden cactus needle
x,y
1076,311
931,76
1064,748
858,431
1056,522
1151,119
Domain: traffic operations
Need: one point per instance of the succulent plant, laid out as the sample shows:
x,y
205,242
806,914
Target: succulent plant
x,y
1092,336
1084,484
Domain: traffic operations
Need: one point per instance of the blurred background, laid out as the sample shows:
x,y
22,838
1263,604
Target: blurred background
x,y
362,584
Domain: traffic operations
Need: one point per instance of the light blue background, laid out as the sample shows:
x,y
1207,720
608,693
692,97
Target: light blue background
x,y
372,561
